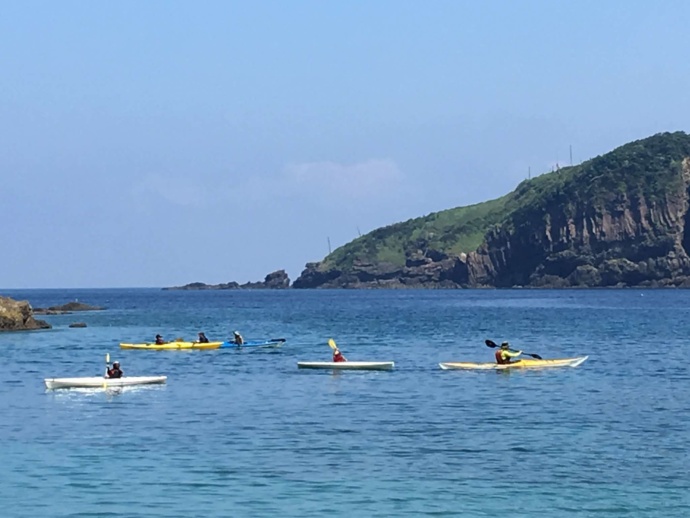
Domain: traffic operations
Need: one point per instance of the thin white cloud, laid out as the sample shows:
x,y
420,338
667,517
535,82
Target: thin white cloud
x,y
177,190
367,179
320,182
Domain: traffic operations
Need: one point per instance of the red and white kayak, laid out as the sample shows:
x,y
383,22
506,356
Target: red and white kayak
x,y
520,364
100,382
348,366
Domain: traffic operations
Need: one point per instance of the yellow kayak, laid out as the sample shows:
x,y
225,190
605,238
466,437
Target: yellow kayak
x,y
173,346
520,364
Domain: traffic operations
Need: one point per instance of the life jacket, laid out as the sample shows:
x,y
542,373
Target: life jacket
x,y
500,359
338,357
114,373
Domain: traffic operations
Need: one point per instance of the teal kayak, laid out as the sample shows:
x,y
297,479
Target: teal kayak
x,y
273,342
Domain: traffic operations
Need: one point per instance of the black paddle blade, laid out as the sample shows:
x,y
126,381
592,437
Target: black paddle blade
x,y
535,356
277,340
489,343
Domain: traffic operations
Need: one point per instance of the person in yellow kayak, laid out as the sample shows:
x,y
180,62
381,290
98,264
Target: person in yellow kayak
x,y
338,356
202,339
159,340
504,354
114,371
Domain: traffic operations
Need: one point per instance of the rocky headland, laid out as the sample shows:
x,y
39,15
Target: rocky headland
x,y
18,316
618,220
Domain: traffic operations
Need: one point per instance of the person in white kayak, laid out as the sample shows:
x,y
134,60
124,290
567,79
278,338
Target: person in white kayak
x,y
338,356
114,371
504,354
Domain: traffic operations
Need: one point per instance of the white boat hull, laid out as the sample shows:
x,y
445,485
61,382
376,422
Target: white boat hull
x,y
347,366
99,382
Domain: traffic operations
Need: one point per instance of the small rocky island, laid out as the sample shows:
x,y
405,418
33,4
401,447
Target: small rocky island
x,y
66,309
18,316
273,281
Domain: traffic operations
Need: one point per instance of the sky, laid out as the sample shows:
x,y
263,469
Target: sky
x,y
158,143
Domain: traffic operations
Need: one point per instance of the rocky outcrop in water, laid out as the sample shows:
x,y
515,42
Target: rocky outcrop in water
x,y
66,309
18,316
273,281
618,220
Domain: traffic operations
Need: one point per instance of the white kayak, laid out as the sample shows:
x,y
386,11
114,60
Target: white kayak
x,y
347,366
98,382
520,364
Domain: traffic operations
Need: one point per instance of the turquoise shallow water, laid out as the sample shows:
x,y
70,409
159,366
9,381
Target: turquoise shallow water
x,y
245,433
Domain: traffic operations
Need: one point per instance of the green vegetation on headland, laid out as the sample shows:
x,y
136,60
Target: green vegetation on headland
x,y
452,231
615,220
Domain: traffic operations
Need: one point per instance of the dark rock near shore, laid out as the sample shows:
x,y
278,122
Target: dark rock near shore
x,y
273,281
18,316
78,324
66,309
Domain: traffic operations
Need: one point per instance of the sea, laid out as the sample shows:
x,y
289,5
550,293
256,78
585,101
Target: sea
x,y
246,433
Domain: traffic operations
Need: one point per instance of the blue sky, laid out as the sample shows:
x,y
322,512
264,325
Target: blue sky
x,y
159,143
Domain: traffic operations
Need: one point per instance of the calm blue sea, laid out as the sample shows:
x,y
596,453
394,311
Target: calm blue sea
x,y
245,433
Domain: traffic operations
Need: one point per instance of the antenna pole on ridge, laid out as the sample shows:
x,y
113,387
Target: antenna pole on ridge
x,y
329,245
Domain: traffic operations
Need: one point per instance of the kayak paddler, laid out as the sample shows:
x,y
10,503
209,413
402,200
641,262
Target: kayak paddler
x,y
159,340
238,338
202,338
114,371
338,356
504,354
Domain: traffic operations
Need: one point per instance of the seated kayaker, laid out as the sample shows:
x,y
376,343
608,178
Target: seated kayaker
x,y
238,338
159,340
202,338
338,356
504,354
115,371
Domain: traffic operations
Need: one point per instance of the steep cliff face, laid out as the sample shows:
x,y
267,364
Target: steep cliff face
x,y
610,223
620,219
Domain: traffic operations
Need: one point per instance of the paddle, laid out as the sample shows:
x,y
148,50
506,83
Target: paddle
x,y
493,345
277,340
107,364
